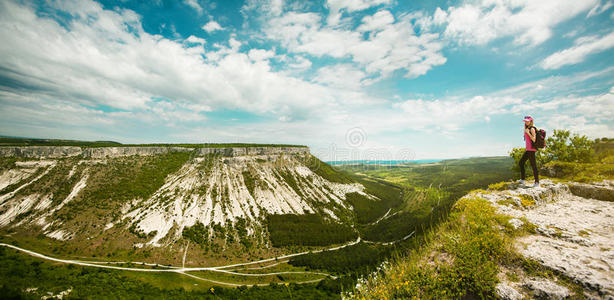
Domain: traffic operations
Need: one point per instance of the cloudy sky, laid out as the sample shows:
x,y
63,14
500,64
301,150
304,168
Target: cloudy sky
x,y
351,79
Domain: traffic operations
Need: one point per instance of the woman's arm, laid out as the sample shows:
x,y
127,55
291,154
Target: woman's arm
x,y
532,134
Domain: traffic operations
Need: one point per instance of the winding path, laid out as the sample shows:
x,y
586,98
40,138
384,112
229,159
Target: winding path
x,y
183,270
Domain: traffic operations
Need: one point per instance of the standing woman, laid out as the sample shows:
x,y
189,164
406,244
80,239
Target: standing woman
x,y
530,132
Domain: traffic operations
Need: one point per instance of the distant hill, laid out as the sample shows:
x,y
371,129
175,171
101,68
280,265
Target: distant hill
x,y
22,141
143,203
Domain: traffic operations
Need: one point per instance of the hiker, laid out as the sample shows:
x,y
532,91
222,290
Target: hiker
x,y
530,133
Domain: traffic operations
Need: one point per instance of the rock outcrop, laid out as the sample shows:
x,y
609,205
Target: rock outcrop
x,y
573,235
103,152
40,151
214,187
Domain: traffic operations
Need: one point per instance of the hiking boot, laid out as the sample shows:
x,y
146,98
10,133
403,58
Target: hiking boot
x,y
536,184
521,181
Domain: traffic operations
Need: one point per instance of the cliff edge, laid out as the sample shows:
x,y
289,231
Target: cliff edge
x,y
573,235
510,242
105,152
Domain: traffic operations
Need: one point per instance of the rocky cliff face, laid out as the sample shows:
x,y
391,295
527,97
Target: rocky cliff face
x,y
574,236
92,198
106,152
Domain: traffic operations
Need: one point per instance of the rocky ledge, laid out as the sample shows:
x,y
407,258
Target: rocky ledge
x,y
573,236
102,152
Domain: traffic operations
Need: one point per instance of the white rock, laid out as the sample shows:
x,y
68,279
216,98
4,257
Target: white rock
x,y
543,288
516,223
506,292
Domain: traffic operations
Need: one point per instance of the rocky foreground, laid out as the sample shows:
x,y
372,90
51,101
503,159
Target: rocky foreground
x,y
572,234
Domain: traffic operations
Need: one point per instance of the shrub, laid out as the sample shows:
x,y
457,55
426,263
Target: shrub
x,y
563,146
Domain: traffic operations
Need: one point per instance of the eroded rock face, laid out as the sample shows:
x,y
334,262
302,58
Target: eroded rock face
x,y
546,289
107,152
40,151
574,233
600,190
233,184
104,152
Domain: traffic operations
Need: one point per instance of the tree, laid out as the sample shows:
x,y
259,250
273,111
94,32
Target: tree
x,y
561,146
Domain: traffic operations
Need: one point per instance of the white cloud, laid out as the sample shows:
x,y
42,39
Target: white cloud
x,y
343,76
388,47
336,6
528,22
194,4
378,21
561,85
195,40
104,58
452,115
582,48
68,77
260,54
212,26
262,7
299,63
600,8
580,125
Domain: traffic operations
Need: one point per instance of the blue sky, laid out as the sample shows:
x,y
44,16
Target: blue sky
x,y
352,79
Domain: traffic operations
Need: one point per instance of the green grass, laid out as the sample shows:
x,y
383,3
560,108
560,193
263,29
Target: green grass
x,y
19,272
251,280
421,207
369,210
459,258
12,187
326,171
582,172
124,179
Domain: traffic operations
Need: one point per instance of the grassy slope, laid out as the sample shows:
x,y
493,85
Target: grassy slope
x,y
429,190
19,272
459,258
462,256
417,209
390,199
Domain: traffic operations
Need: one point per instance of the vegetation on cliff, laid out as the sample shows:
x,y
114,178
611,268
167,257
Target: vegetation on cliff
x,y
466,254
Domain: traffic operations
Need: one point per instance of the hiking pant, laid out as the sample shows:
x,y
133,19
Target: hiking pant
x,y
530,155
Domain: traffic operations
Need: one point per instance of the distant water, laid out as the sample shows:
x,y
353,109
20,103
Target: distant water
x,y
382,162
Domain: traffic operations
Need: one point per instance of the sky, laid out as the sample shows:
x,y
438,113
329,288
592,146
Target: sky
x,y
351,79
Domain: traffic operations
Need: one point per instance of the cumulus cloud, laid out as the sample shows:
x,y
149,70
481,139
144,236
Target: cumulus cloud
x,y
260,54
582,48
527,22
99,73
343,76
336,6
212,26
195,40
389,46
104,58
378,21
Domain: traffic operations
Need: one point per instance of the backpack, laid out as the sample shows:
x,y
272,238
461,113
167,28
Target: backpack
x,y
540,138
